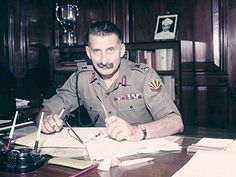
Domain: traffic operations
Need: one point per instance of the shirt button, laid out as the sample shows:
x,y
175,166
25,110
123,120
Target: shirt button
x,y
131,107
90,107
109,112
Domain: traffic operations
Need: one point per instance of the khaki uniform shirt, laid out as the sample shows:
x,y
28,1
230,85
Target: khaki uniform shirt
x,y
137,96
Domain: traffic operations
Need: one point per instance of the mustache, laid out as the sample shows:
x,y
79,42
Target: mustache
x,y
106,65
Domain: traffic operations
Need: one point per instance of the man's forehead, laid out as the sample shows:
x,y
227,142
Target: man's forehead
x,y
104,40
103,36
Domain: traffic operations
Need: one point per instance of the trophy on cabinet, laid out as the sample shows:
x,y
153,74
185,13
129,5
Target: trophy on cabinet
x,y
66,15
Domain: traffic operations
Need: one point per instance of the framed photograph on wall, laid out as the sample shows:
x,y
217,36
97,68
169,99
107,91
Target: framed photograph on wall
x,y
166,27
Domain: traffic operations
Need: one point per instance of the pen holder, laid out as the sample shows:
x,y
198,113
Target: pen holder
x,y
21,160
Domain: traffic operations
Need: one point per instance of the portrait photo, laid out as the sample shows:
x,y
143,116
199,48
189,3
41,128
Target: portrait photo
x,y
166,27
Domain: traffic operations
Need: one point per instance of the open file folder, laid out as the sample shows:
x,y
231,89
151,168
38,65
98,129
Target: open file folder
x,y
97,149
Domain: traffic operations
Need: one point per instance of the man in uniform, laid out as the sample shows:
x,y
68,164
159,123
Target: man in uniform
x,y
129,99
166,33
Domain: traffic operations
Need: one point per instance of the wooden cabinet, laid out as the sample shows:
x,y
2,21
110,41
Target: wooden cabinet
x,y
164,57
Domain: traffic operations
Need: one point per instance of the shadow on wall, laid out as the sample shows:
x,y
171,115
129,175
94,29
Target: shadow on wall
x,y
7,92
7,79
38,76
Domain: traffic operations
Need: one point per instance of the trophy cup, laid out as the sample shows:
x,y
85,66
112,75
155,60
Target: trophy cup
x,y
66,15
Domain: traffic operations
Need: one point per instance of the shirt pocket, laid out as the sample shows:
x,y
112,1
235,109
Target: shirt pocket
x,y
93,108
132,111
130,105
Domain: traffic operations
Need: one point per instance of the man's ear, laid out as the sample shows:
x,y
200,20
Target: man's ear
x,y
87,52
122,52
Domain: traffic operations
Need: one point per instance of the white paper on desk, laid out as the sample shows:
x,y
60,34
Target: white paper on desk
x,y
209,164
60,144
97,149
64,138
215,142
232,147
64,152
107,147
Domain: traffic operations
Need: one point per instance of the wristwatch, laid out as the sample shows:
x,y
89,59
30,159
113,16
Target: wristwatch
x,y
143,130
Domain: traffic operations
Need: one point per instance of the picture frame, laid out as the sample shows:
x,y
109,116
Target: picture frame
x,y
166,27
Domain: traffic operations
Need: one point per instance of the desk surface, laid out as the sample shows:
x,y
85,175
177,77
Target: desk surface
x,y
164,165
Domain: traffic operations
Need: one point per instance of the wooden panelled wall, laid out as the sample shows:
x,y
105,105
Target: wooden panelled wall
x,y
28,27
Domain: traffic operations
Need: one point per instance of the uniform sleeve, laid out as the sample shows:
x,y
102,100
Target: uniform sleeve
x,y
156,97
64,98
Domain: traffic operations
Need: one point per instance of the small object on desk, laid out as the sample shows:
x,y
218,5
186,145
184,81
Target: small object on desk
x,y
210,144
38,133
135,161
72,163
3,122
12,130
17,125
85,170
22,103
99,135
109,162
106,164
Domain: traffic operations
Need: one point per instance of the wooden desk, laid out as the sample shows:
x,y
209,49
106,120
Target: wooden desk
x,y
164,165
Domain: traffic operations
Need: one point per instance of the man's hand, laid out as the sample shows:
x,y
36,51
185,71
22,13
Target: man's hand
x,y
52,123
120,130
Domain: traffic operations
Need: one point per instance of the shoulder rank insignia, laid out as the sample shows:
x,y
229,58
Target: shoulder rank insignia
x,y
141,67
155,86
85,68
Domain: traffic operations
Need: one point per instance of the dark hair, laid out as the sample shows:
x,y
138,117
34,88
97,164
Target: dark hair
x,y
102,28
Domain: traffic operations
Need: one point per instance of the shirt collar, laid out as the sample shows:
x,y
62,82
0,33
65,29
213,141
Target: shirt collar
x,y
122,79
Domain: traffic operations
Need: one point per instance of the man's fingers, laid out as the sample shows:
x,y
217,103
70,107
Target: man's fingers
x,y
57,123
51,124
46,127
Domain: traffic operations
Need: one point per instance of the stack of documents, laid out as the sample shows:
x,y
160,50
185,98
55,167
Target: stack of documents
x,y
210,144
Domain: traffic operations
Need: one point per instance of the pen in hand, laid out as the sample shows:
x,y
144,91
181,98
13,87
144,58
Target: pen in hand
x,y
77,136
61,113
64,116
12,131
38,133
103,107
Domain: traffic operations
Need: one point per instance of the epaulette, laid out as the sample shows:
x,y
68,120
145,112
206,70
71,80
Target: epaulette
x,y
139,67
85,68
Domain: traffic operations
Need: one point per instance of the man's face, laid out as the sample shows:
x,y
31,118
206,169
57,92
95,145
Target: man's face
x,y
166,27
105,53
